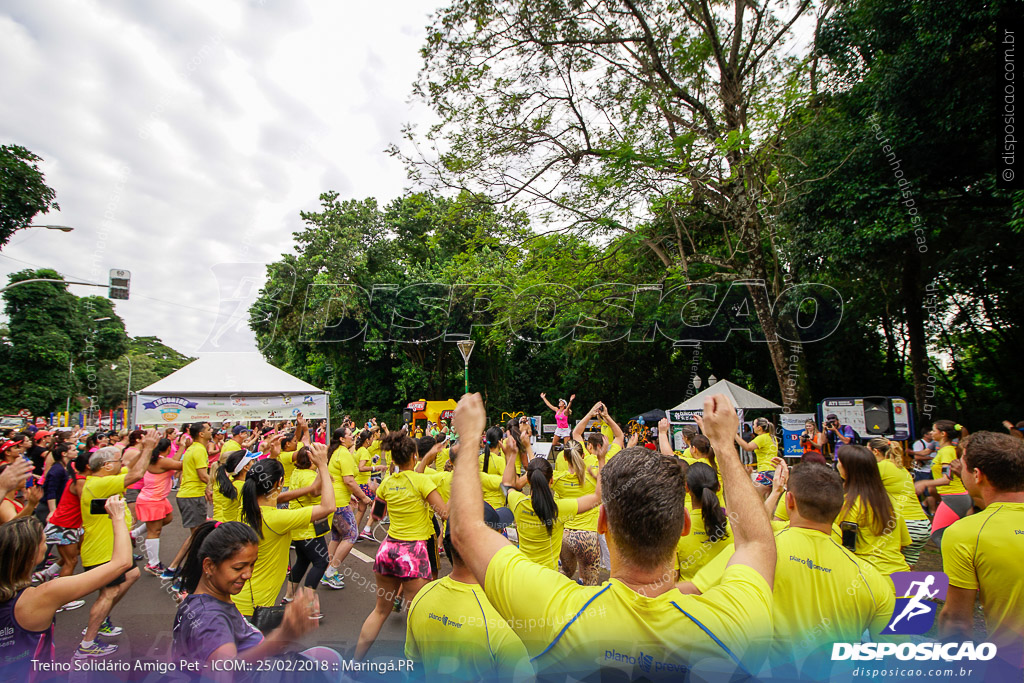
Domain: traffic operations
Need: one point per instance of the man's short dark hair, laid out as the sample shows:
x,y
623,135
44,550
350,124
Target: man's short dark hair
x,y
818,491
643,493
195,429
999,456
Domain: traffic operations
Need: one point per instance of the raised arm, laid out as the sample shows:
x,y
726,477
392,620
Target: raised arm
x,y
778,487
318,456
577,433
755,545
617,435
476,542
138,467
663,443
544,397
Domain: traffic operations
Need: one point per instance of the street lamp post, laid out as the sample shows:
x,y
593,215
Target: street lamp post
x,y
62,228
466,349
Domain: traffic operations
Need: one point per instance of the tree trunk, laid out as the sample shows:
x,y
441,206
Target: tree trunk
x,y
787,357
913,302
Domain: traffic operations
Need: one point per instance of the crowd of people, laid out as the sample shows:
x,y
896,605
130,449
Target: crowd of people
x,y
600,554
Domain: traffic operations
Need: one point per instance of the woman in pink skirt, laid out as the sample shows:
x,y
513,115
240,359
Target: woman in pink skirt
x,y
152,505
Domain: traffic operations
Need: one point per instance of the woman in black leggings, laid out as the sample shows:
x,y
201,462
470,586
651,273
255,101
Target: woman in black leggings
x,y
310,543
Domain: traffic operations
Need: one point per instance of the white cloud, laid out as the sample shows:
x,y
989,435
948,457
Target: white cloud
x,y
175,134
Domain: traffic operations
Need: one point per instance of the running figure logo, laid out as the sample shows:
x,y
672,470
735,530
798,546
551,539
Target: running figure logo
x,y
914,612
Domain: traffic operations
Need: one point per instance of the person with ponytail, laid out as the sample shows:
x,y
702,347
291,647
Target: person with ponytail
x,y
228,483
955,502
344,532
404,557
540,519
766,449
364,471
492,460
261,495
309,543
876,530
208,626
152,506
899,484
581,545
26,611
708,527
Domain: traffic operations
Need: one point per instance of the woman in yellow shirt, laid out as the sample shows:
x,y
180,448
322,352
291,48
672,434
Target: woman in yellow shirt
x,y
709,527
899,484
310,542
261,495
492,460
765,450
869,524
227,489
403,558
956,502
364,469
581,545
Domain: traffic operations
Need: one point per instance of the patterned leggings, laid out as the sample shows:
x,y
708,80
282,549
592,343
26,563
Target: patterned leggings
x,y
582,549
920,530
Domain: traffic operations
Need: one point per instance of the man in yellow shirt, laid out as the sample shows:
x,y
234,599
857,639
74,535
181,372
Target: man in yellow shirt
x,y
638,623
106,479
191,498
453,631
981,552
823,592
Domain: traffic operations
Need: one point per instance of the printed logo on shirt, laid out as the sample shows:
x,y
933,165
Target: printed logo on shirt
x,y
915,610
646,663
445,621
809,563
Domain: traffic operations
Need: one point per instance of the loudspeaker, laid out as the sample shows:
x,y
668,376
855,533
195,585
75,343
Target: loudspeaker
x,y
878,415
407,416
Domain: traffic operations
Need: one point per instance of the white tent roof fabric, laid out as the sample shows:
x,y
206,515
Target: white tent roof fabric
x,y
740,397
230,373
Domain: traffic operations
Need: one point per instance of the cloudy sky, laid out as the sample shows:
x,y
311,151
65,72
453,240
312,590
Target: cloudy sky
x,y
183,138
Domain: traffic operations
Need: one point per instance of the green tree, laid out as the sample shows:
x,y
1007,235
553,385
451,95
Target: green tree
x,y
904,215
151,361
23,190
661,121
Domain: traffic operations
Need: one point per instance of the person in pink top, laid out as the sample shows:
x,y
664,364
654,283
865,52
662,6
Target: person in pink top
x,y
153,507
562,413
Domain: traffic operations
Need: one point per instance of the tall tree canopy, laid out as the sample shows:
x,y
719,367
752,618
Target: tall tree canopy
x,y
23,190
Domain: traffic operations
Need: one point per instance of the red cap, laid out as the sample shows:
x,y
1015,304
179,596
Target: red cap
x,y
42,434
7,444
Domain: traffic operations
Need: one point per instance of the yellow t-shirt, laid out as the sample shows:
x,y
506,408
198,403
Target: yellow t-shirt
x,y
301,478
453,631
491,485
696,549
195,458
287,459
720,493
496,465
765,449
534,540
566,485
606,429
573,629
342,465
228,509
230,446
272,561
946,455
823,593
98,539
362,455
980,552
406,495
443,456
443,482
880,551
899,484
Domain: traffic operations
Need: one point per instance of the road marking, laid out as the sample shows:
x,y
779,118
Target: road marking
x,y
361,556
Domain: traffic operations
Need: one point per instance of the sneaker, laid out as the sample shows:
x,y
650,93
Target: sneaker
x,y
366,536
155,569
97,649
107,630
44,575
68,606
334,581
176,586
168,574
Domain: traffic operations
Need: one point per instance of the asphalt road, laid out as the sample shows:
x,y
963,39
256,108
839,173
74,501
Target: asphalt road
x,y
147,616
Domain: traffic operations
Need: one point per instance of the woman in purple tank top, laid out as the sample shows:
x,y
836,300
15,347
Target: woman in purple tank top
x,y
27,612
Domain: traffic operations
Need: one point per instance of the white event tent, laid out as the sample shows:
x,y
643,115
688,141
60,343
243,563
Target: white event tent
x,y
240,387
740,397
